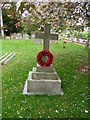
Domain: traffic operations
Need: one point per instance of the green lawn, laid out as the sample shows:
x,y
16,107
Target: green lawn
x,y
74,103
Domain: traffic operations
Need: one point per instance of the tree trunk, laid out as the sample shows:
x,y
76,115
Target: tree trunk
x,y
1,22
87,43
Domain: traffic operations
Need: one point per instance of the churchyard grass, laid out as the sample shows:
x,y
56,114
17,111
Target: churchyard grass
x,y
74,103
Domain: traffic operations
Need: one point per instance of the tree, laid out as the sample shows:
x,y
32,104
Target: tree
x,y
10,20
1,21
88,18
57,13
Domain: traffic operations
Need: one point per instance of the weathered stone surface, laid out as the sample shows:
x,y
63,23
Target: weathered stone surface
x,y
44,75
44,80
25,36
7,37
13,36
43,85
53,41
50,87
45,69
36,41
19,36
46,36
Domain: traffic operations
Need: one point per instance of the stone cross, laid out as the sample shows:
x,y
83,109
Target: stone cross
x,y
46,36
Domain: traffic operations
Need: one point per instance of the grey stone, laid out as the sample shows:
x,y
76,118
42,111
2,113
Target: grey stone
x,y
46,36
19,36
75,39
53,41
43,80
43,85
25,36
13,36
36,41
81,41
44,75
50,87
45,69
7,37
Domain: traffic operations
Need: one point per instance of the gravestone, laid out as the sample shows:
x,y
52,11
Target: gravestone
x,y
13,36
25,36
36,41
43,80
19,36
75,39
7,37
53,41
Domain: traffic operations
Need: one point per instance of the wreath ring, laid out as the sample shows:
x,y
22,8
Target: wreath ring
x,y
40,56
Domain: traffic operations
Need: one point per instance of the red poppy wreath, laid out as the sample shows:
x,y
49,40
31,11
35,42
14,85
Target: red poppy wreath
x,y
44,53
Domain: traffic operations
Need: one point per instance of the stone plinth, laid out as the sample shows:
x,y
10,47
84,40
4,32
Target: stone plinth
x,y
45,69
43,80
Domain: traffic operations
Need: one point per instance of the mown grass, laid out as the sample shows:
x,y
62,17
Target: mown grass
x,y
73,104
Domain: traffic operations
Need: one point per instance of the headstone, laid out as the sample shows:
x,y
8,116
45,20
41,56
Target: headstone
x,y
32,35
75,39
53,41
81,41
43,80
36,41
19,36
25,36
13,36
7,37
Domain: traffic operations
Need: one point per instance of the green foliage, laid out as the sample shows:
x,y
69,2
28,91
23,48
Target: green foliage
x,y
77,35
28,28
84,34
82,27
31,28
10,23
74,84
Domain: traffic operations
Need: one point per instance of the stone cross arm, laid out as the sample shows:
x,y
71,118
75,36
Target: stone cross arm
x,y
39,35
53,37
46,36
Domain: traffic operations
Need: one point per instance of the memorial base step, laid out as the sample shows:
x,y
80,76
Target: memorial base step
x,y
42,82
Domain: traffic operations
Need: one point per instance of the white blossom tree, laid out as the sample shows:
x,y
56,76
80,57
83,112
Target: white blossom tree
x,y
59,14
